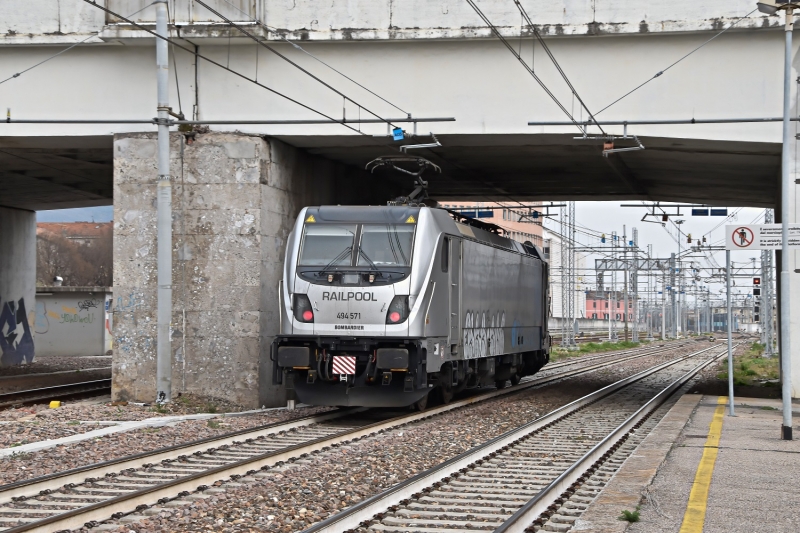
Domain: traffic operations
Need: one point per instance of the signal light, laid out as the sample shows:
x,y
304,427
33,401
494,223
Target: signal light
x,y
689,238
603,238
302,308
756,281
756,291
664,218
398,310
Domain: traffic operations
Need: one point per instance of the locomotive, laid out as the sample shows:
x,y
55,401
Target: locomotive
x,y
381,306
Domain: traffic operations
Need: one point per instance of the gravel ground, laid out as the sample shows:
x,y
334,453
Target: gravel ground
x,y
61,458
56,363
290,498
107,410
31,430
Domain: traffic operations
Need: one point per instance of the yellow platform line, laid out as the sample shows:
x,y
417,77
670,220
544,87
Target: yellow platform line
x,y
695,516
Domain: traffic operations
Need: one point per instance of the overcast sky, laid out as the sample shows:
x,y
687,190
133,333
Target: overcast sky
x,y
606,217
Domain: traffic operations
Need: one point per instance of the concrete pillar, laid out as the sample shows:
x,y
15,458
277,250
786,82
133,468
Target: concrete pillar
x,y
17,285
235,199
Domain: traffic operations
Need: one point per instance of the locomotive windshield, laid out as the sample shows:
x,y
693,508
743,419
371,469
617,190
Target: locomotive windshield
x,y
330,245
327,244
388,244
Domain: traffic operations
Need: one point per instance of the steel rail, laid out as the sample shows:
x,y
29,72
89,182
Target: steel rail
x,y
539,504
127,503
351,518
55,392
33,486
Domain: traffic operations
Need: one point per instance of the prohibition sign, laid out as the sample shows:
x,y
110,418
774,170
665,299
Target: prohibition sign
x,y
742,237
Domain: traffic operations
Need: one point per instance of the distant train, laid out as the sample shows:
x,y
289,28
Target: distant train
x,y
380,306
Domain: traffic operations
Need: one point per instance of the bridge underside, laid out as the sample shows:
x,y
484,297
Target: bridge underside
x,y
559,167
39,173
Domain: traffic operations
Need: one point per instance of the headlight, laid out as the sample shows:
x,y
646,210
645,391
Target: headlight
x,y
398,310
302,308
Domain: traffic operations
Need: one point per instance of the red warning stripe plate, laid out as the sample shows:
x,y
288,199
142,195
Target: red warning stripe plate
x,y
344,364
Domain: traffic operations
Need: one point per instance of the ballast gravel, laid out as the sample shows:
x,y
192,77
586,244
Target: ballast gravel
x,y
291,497
56,363
60,458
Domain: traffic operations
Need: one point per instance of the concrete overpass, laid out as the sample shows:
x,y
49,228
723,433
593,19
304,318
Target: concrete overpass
x,y
236,195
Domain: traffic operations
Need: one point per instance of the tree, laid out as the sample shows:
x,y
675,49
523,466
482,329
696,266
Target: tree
x,y
78,264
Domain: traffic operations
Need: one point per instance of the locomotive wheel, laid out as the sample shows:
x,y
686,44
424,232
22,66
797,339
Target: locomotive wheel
x,y
501,383
445,388
420,404
515,379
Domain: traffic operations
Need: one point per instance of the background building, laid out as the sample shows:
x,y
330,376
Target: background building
x,y
521,223
552,252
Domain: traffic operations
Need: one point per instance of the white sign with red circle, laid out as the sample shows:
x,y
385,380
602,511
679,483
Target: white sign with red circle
x,y
759,237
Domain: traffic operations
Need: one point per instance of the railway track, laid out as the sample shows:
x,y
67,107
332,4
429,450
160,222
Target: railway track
x,y
96,492
58,392
542,474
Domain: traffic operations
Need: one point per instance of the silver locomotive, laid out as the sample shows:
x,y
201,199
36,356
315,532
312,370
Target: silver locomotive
x,y
380,306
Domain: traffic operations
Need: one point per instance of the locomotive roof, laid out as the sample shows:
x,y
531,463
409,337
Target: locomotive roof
x,y
400,214
357,213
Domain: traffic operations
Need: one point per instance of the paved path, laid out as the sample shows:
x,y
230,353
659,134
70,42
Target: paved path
x,y
754,484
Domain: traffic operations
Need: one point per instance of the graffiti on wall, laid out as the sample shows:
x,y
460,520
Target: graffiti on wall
x,y
16,339
484,334
85,305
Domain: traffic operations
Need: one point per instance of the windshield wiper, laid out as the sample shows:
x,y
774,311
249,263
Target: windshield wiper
x,y
339,257
365,256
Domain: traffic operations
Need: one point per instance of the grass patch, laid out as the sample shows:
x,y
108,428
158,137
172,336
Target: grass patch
x,y
159,408
213,424
751,368
558,353
20,455
74,423
630,516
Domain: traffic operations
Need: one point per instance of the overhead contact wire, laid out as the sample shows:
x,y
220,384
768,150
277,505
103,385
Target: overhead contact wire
x,y
312,56
65,50
660,72
301,69
555,63
239,74
524,64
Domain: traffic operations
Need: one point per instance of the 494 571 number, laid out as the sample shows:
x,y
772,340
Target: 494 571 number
x,y
349,316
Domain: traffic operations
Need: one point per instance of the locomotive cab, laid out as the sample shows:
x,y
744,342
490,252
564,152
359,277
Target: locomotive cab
x,y
371,310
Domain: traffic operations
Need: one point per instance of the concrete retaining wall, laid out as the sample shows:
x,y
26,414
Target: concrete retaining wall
x,y
235,199
73,321
17,285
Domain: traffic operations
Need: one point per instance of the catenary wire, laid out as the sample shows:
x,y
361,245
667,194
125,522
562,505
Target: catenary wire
x,y
65,50
220,65
546,48
524,64
660,72
274,51
277,32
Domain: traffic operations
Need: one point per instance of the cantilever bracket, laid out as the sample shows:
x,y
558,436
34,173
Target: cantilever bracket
x,y
434,144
